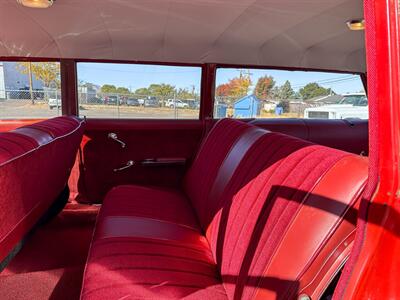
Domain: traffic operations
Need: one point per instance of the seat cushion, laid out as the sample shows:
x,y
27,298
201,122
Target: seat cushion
x,y
150,202
147,268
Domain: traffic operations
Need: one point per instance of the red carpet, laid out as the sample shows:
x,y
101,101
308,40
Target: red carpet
x,y
51,263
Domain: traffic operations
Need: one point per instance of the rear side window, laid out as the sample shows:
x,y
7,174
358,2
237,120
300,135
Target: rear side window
x,y
262,93
29,90
136,91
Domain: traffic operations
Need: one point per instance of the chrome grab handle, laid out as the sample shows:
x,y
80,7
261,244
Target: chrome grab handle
x,y
114,137
128,164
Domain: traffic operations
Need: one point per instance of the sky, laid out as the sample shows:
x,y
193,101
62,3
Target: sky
x,y
138,76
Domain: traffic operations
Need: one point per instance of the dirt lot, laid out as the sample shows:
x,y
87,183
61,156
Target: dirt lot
x,y
24,109
15,109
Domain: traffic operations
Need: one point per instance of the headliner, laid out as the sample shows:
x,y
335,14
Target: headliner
x,y
285,33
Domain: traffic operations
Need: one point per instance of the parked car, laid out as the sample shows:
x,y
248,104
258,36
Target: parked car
x,y
53,102
132,102
172,103
111,100
151,102
351,106
24,93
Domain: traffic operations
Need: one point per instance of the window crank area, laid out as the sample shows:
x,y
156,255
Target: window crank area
x,y
129,163
113,136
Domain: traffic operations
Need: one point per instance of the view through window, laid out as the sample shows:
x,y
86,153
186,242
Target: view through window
x,y
259,93
108,90
29,90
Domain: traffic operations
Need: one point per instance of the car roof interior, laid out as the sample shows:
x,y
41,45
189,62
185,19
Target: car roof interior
x,y
284,33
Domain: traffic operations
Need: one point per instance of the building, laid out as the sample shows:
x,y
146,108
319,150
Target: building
x,y
11,79
247,107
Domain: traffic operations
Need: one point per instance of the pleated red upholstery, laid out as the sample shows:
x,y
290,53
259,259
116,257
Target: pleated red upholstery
x,y
275,214
213,151
13,145
150,202
34,169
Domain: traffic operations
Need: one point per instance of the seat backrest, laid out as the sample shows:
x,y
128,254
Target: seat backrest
x,y
228,139
286,208
35,163
349,135
279,212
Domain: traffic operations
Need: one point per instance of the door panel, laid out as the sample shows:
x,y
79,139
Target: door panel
x,y
157,149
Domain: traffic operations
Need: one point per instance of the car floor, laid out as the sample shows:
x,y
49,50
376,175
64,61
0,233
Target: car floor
x,y
51,263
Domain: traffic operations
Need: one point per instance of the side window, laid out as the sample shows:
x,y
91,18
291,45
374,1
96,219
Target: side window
x,y
135,91
260,93
29,90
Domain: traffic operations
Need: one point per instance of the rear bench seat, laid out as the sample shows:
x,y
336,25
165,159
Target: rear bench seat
x,y
35,163
261,216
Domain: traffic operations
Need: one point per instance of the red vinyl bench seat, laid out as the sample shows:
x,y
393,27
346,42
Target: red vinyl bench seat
x,y
261,215
35,163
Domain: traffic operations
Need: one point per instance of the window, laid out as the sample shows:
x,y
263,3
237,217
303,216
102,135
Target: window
x,y
29,90
108,90
258,93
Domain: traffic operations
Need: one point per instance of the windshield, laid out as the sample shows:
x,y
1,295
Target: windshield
x,y
355,100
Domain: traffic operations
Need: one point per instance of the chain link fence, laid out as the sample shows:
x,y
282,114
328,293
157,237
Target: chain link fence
x,y
30,104
118,105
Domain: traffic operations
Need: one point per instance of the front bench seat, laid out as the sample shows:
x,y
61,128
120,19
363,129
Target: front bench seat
x,y
35,163
276,217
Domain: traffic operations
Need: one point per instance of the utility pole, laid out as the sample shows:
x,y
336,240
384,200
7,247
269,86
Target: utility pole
x,y
30,81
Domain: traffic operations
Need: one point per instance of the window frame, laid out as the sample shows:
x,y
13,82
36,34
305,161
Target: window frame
x,y
35,60
203,89
363,76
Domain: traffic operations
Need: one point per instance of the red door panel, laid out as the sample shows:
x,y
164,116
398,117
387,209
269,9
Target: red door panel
x,y
157,149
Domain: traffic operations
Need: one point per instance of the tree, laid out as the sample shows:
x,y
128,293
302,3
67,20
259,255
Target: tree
x,y
163,91
313,90
236,87
108,89
185,94
285,106
46,72
142,92
263,87
223,90
286,91
123,91
240,86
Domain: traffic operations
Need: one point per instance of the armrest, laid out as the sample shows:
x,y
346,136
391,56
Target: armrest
x,y
170,161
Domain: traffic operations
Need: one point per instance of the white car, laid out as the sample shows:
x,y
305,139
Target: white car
x,y
172,103
352,106
53,102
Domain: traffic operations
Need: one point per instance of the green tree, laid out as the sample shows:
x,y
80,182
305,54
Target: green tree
x,y
185,94
285,104
163,91
123,91
313,90
264,87
142,92
286,91
108,89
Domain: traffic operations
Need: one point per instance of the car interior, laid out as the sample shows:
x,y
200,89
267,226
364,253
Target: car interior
x,y
132,196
